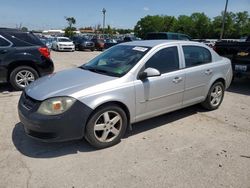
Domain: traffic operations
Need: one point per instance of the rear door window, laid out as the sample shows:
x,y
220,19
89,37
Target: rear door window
x,y
26,38
196,55
165,60
4,43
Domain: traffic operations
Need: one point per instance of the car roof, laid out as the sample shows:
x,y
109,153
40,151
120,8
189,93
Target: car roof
x,y
153,43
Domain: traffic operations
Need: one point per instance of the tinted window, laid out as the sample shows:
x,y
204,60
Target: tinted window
x,y
173,36
152,36
184,37
63,40
27,38
3,42
165,60
195,55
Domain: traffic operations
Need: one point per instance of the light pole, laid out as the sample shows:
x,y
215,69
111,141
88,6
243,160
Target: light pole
x,y
223,21
103,26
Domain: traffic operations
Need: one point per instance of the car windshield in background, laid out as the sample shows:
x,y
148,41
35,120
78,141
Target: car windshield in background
x,y
153,36
117,61
64,40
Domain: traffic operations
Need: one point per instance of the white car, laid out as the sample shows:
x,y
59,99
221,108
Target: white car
x,y
63,44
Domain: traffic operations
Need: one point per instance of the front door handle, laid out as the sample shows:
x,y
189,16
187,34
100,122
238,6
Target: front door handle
x,y
208,72
3,51
177,79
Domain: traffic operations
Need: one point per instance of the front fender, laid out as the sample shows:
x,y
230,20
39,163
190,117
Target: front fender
x,y
126,96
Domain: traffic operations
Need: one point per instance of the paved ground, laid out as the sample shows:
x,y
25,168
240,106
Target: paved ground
x,y
187,148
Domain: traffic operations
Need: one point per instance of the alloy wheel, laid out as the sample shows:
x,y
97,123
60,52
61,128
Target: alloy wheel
x,y
108,126
216,95
23,78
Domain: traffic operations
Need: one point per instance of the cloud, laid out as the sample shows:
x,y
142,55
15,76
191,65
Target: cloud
x,y
146,9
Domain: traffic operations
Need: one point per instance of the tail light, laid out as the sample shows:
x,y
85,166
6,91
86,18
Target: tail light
x,y
44,52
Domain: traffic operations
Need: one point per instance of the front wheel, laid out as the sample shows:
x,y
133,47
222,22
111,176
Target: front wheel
x,y
22,76
106,126
215,96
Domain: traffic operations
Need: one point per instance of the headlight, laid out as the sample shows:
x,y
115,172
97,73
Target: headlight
x,y
56,105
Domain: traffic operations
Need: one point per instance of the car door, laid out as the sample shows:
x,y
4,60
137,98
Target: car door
x,y
199,71
160,94
4,50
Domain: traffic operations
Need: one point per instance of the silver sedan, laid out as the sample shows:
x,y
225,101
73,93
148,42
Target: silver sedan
x,y
128,83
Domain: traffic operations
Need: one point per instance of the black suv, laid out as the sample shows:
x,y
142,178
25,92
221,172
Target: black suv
x,y
23,58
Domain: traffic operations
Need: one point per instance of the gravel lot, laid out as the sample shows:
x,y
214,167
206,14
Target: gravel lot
x,y
187,148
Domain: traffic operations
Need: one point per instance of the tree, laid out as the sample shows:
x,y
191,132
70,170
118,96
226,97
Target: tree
x,y
69,31
201,25
25,29
242,23
198,25
71,21
184,24
149,24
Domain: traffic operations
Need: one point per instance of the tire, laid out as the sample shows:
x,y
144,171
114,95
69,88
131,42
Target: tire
x,y
111,129
215,96
25,73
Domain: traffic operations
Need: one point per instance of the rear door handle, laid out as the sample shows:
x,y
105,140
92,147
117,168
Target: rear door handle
x,y
177,79
208,72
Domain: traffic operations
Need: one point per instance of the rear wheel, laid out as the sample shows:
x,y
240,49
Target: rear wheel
x,y
22,76
106,126
215,96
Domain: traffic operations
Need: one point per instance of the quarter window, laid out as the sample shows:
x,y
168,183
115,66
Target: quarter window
x,y
165,60
4,43
196,55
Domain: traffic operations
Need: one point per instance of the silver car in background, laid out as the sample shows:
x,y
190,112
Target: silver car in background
x,y
128,83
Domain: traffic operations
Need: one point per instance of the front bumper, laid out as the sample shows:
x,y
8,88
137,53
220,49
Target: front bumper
x,y
241,70
66,48
69,125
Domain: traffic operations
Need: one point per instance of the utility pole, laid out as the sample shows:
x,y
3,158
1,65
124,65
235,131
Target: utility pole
x,y
103,26
223,21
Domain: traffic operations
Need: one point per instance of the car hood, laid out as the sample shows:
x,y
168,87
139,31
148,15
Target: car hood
x,y
65,83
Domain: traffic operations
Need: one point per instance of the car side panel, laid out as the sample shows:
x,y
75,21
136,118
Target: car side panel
x,y
158,95
196,83
122,92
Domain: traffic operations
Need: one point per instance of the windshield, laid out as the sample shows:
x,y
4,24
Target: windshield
x,y
63,40
116,61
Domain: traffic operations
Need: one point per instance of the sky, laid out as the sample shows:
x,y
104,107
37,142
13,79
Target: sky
x,y
50,14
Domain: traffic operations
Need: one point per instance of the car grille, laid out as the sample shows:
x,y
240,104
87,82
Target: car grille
x,y
28,102
90,44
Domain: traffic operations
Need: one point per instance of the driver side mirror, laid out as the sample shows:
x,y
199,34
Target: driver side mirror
x,y
149,72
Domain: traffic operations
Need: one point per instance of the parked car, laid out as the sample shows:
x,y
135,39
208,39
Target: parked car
x,y
167,36
99,43
23,58
82,43
47,42
109,43
128,83
239,53
63,44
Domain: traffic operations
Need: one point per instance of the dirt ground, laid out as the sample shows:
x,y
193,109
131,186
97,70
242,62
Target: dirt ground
x,y
187,148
